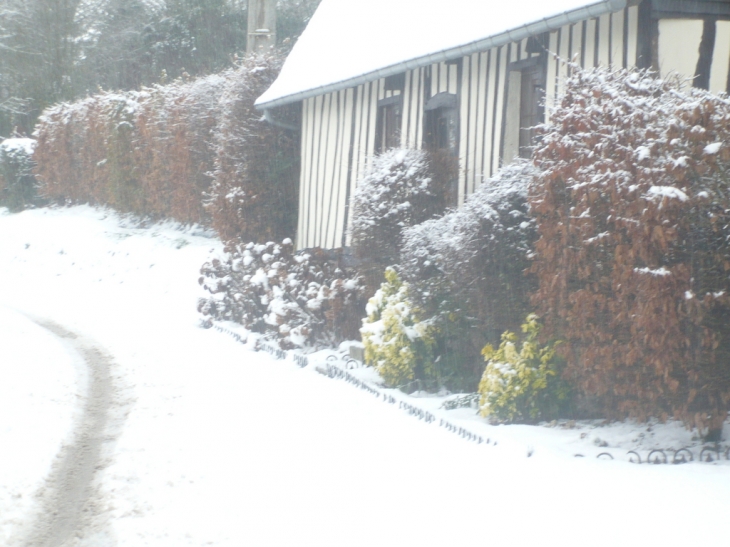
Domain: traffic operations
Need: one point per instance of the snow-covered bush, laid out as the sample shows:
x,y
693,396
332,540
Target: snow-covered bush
x,y
633,212
301,299
397,191
467,271
397,344
17,183
522,384
255,191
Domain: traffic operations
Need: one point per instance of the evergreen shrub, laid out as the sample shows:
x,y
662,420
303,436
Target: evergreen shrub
x,y
17,183
300,299
522,382
633,212
466,272
397,344
397,191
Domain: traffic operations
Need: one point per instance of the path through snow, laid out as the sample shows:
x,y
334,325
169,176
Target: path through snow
x,y
69,495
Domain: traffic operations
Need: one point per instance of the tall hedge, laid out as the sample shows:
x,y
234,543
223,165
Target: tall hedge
x,y
633,212
194,150
148,152
255,192
175,145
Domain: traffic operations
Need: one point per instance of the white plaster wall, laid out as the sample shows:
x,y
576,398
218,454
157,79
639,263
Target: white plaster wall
x,y
512,129
720,57
679,46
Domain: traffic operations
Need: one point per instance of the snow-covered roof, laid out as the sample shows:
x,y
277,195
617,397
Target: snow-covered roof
x,y
348,42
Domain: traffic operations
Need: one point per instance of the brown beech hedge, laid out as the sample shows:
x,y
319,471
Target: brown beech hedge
x,y
633,212
194,150
145,152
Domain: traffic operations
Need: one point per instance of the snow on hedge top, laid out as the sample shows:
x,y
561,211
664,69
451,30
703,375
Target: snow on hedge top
x,y
18,144
350,38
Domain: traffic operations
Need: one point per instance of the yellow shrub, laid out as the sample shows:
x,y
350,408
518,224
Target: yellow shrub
x,y
522,384
397,344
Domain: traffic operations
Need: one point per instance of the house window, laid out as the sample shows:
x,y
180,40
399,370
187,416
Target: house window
x,y
441,129
397,82
388,125
524,107
441,138
532,109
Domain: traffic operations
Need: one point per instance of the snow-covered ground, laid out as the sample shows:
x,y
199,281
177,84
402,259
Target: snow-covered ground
x,y
209,443
41,382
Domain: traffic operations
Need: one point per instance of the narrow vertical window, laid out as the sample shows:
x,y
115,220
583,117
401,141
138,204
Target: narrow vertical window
x,y
390,116
441,139
524,107
532,110
442,124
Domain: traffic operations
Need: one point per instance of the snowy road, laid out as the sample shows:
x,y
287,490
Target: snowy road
x,y
207,443
69,496
41,380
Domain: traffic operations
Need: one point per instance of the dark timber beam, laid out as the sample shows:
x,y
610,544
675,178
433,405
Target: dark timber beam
x,y
707,46
647,51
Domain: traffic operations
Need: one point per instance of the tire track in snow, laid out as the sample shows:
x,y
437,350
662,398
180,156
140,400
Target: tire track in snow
x,y
69,498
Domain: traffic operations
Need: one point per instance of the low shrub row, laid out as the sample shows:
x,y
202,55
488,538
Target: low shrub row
x,y
616,235
302,299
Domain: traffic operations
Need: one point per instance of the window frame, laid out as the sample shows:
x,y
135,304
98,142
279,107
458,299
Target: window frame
x,y
514,144
388,123
442,106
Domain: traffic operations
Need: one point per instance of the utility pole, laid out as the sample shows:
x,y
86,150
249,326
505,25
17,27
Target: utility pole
x,y
261,26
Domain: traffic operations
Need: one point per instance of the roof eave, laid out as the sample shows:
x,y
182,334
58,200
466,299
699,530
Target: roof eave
x,y
514,35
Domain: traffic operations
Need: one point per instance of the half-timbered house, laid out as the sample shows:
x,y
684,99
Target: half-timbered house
x,y
470,77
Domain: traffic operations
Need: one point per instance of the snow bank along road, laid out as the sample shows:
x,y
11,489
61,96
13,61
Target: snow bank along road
x,y
206,443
